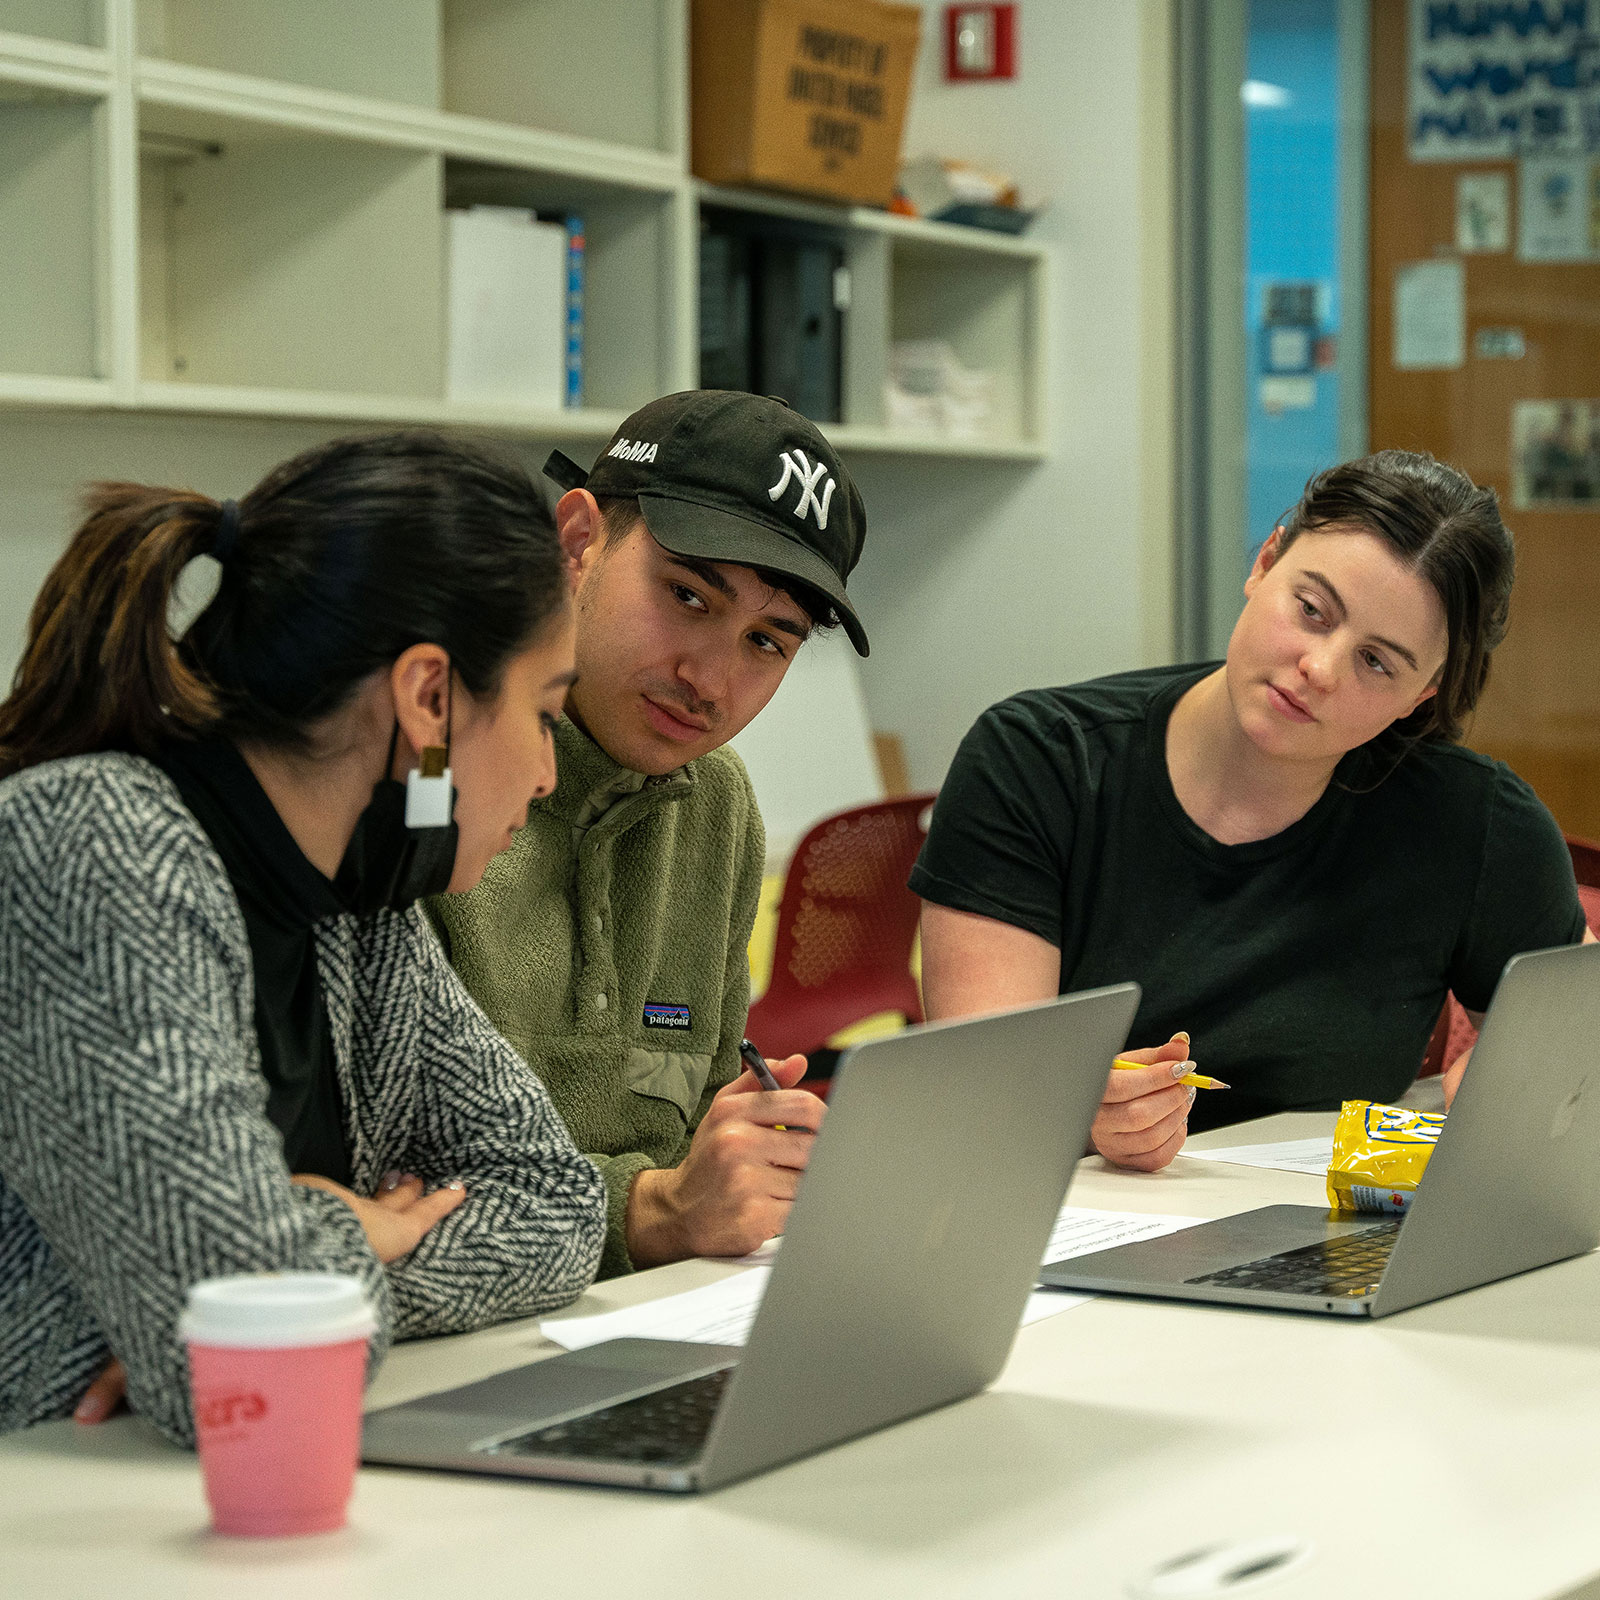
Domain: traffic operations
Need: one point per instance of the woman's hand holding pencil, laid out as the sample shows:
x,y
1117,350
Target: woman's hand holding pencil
x,y
1144,1117
1195,1080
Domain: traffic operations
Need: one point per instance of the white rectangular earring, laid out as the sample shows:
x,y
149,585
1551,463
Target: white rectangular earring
x,y
428,792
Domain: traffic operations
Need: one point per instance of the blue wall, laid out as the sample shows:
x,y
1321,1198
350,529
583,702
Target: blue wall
x,y
1292,155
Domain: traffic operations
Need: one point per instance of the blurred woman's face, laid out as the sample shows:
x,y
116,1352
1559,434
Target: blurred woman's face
x,y
502,755
1338,639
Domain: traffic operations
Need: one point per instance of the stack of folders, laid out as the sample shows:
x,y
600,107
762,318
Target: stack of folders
x,y
516,309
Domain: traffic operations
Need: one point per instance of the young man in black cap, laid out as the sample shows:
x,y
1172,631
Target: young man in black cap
x,y
609,943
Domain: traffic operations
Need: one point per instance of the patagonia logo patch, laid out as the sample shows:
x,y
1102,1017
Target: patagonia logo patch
x,y
666,1017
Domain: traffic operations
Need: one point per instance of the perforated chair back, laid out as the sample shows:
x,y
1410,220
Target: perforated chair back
x,y
1454,1032
846,926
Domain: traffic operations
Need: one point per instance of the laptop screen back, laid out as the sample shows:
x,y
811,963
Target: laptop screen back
x,y
920,1225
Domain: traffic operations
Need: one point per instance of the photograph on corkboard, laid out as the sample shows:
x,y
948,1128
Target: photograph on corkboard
x,y
1555,455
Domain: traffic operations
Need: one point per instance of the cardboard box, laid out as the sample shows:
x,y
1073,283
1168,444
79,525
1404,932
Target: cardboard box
x,y
807,96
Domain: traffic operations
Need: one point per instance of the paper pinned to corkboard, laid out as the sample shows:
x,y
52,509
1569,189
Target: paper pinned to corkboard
x,y
1430,315
1483,212
1555,455
1559,214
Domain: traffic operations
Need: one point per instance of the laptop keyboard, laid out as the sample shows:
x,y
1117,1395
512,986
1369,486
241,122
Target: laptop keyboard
x,y
1336,1269
667,1428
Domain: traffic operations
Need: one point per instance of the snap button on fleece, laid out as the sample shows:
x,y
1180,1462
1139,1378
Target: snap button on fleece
x,y
600,1001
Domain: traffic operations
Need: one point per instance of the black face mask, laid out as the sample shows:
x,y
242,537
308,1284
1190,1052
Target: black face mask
x,y
388,866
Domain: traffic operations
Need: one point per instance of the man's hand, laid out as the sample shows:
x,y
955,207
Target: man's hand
x,y
1144,1117
398,1216
733,1190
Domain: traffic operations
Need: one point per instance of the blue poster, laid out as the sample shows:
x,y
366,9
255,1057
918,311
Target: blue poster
x,y
1494,79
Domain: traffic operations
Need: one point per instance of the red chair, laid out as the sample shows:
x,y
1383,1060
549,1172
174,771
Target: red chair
x,y
846,925
1454,1032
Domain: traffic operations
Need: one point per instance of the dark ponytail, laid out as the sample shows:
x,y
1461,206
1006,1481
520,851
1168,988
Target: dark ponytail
x,y
341,560
99,672
1449,531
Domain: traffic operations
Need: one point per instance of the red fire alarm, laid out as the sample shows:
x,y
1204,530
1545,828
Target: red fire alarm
x,y
980,43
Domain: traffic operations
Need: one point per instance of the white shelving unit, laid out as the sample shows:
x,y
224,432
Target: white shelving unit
x,y
238,209
985,293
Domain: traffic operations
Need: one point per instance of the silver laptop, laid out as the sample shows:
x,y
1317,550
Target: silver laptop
x,y
1513,1184
908,1259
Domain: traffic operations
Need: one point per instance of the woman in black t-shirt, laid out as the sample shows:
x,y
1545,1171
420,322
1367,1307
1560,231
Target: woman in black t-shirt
x,y
1289,851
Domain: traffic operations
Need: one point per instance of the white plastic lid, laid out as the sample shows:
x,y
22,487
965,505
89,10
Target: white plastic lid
x,y
268,1310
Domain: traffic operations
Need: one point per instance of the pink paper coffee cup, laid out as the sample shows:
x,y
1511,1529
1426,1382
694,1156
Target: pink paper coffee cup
x,y
277,1363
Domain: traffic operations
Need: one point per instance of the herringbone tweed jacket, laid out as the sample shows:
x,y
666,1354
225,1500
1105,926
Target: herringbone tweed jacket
x,y
135,1153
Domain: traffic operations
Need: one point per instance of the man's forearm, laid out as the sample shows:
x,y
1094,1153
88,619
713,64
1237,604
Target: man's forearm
x,y
654,1228
619,1173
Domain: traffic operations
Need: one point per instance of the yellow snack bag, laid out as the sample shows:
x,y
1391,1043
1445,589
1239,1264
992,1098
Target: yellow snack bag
x,y
1379,1153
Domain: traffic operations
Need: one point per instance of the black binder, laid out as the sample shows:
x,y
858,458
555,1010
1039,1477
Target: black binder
x,y
770,318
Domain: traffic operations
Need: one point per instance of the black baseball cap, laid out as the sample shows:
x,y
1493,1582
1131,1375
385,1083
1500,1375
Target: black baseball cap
x,y
725,476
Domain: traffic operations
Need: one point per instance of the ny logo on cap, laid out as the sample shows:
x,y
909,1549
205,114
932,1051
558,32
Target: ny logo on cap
x,y
796,465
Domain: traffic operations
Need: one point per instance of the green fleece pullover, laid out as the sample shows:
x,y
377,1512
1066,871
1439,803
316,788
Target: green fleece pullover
x,y
609,945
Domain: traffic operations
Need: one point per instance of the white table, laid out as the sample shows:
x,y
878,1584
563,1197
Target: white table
x,y
1452,1450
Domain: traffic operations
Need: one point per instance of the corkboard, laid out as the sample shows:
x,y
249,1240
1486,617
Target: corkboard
x,y
1542,710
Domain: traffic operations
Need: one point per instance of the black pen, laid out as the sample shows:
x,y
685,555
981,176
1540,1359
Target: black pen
x,y
757,1063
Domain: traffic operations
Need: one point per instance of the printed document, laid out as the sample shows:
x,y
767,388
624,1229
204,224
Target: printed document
x,y
1292,1155
1430,315
723,1312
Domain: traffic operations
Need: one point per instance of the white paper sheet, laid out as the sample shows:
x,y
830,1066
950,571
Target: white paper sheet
x,y
723,1312
1292,1155
1081,1230
1288,394
718,1313
1559,198
1430,315
1483,211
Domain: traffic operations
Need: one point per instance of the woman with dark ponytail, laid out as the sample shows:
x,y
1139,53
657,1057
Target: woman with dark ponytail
x,y
1288,850
244,739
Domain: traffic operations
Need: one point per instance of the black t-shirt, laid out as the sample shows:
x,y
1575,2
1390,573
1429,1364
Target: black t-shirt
x,y
282,898
1309,967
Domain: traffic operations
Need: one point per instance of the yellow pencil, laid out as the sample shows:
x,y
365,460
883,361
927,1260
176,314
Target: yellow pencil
x,y
1195,1080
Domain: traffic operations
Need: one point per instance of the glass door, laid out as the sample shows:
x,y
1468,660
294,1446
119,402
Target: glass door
x,y
1273,275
